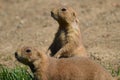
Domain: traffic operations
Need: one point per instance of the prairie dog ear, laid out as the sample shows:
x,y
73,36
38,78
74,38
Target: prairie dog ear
x,y
74,14
40,51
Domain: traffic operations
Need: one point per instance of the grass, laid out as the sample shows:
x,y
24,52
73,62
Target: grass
x,y
18,73
115,73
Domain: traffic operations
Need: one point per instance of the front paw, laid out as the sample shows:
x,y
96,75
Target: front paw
x,y
57,56
48,53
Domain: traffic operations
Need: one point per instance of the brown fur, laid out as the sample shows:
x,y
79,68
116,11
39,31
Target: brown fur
x,y
48,68
67,41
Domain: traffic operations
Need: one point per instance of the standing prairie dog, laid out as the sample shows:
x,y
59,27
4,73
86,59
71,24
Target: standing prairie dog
x,y
67,41
48,68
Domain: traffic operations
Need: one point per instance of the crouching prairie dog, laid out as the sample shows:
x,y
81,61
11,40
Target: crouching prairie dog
x,y
45,67
67,41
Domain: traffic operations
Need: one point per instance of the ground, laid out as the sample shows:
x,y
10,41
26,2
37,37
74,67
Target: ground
x,y
29,22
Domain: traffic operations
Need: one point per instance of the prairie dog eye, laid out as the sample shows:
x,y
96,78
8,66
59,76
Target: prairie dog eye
x,y
28,50
63,9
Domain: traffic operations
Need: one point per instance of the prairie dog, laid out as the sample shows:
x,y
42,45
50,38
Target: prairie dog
x,y
67,41
45,67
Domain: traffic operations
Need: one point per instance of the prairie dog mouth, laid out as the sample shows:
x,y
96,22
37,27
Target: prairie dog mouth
x,y
17,56
21,59
54,16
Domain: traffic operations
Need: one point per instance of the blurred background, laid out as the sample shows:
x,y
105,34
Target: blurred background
x,y
29,22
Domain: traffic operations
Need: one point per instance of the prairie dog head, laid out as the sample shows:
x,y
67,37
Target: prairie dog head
x,y
64,15
27,55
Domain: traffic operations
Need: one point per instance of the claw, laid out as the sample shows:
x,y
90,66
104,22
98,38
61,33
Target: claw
x,y
57,56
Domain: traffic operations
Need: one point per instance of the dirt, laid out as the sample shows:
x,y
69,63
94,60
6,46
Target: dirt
x,y
29,22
